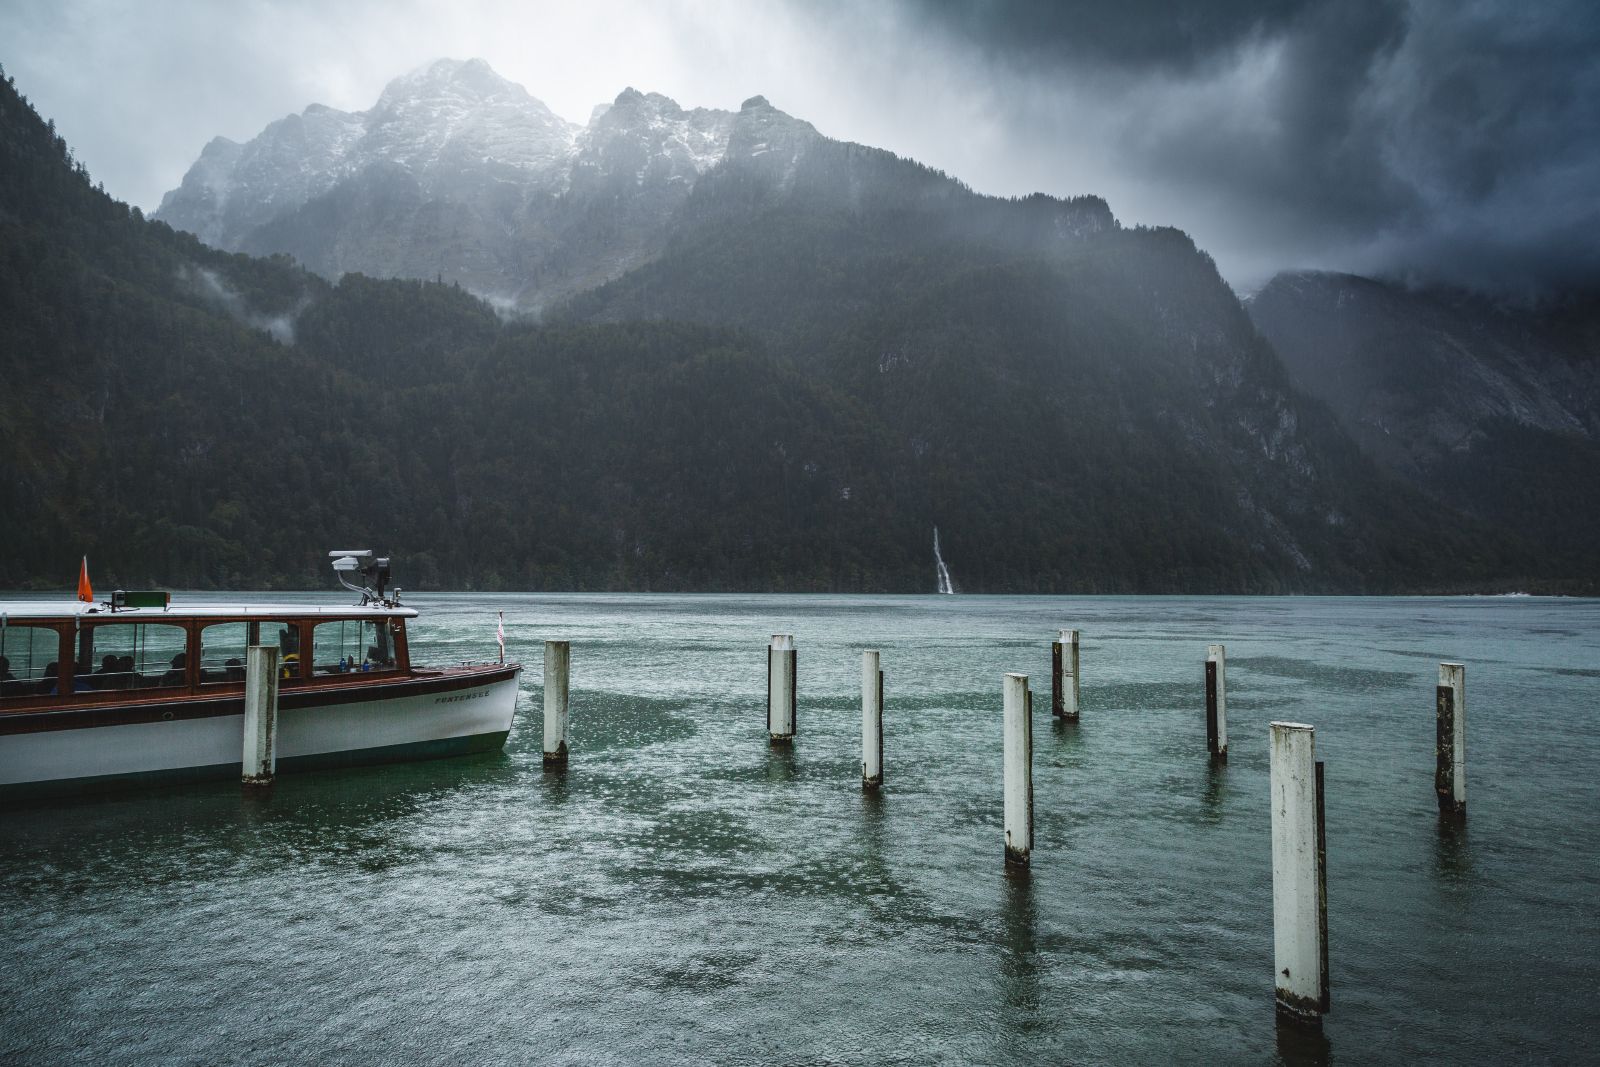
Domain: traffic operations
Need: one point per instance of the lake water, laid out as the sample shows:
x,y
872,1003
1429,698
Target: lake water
x,y
683,892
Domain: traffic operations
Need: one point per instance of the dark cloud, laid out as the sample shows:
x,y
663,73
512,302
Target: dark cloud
x,y
1458,142
1310,169
1142,35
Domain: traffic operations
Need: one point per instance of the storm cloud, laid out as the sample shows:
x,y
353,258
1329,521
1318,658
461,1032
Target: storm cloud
x,y
1426,140
1431,140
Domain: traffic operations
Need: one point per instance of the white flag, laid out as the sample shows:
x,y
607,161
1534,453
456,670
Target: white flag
x,y
500,635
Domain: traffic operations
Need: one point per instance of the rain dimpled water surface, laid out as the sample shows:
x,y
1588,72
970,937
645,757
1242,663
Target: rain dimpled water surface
x,y
685,892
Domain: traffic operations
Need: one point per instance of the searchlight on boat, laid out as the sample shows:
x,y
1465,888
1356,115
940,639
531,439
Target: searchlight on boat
x,y
374,572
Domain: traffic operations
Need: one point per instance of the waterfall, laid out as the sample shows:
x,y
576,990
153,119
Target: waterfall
x,y
943,573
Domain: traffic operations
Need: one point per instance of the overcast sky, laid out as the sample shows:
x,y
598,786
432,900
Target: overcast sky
x,y
1441,139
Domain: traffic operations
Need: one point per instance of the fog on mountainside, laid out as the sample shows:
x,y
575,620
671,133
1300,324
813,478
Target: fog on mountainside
x,y
1493,410
801,361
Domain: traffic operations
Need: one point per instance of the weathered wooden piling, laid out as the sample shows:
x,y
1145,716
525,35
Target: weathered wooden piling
x,y
1018,771
871,721
782,696
259,763
557,691
1299,875
1064,676
1450,770
1217,703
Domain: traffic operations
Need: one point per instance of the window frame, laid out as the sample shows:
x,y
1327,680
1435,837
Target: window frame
x,y
70,632
134,692
63,660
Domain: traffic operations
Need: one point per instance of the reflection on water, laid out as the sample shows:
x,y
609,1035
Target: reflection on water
x,y
1213,798
685,891
1453,855
780,764
553,782
1300,1045
1020,990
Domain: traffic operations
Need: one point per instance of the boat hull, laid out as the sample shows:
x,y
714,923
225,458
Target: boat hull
x,y
419,717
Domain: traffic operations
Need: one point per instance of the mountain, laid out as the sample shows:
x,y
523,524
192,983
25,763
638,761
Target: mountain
x,y
829,352
1489,408
187,416
444,125
457,173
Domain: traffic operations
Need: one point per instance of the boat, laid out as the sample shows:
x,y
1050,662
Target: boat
x,y
137,689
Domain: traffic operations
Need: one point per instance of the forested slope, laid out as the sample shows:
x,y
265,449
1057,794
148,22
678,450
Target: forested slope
x,y
790,398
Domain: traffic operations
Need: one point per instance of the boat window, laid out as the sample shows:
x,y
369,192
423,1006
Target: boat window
x,y
352,645
28,659
136,655
286,635
222,652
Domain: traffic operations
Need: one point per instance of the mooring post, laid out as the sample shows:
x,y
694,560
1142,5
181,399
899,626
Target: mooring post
x,y
1299,879
557,689
782,675
1018,771
1064,676
1217,703
871,721
260,759
1450,769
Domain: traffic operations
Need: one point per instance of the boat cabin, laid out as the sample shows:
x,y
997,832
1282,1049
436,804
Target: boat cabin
x,y
83,654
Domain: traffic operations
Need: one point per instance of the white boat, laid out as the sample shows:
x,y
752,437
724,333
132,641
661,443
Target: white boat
x,y
138,689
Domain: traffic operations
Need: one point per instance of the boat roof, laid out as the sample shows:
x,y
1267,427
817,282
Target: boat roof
x,y
19,610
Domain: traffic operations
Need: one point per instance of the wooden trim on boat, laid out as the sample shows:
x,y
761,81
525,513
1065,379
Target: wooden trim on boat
x,y
321,692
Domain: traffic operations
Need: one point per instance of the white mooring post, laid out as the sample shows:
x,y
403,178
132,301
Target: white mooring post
x,y
557,687
871,721
260,759
782,675
1018,770
1450,773
1217,703
1064,676
1299,875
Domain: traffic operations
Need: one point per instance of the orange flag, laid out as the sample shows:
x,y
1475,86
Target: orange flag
x,y
85,590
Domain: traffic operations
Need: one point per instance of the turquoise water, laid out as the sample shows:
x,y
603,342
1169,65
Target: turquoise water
x,y
685,893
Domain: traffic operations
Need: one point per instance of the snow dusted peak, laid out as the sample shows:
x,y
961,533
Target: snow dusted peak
x,y
459,114
455,170
632,106
448,123
453,79
201,199
233,188
219,148
646,138
757,115
770,139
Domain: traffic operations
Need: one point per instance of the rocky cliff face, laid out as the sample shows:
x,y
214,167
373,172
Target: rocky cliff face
x,y
1493,408
1416,376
